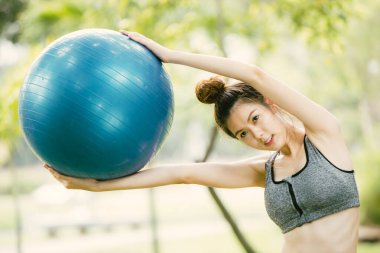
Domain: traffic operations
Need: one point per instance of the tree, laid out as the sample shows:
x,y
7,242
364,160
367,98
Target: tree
x,y
9,16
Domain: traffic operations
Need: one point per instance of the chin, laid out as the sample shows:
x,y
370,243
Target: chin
x,y
278,143
272,148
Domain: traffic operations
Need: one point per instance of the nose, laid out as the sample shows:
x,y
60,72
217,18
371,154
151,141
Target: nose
x,y
257,132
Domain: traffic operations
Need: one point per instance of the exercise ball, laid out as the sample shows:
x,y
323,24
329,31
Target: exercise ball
x,y
96,104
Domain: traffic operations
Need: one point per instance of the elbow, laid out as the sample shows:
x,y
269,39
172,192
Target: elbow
x,y
185,175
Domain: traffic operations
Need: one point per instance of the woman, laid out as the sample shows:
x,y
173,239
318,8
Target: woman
x,y
310,189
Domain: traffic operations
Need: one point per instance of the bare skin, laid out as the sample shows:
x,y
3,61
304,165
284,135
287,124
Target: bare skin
x,y
334,233
260,127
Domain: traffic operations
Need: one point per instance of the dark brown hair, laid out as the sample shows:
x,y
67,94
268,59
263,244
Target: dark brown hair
x,y
215,91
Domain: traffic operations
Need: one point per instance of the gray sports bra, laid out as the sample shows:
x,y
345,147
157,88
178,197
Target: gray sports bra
x,y
317,190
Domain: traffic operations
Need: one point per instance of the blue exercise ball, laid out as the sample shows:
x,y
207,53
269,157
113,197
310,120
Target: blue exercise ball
x,y
96,104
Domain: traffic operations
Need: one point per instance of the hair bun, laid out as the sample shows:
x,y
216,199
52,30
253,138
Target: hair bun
x,y
208,91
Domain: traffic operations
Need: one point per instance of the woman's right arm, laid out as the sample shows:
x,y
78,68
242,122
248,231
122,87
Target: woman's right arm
x,y
246,173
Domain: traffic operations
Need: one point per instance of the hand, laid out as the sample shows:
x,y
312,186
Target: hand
x,y
160,51
88,184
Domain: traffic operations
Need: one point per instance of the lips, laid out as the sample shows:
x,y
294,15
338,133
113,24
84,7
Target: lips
x,y
268,141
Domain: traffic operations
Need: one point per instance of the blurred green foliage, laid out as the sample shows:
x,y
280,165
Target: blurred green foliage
x,y
369,176
314,28
9,130
9,15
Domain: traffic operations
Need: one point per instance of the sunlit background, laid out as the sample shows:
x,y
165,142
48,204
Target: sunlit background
x,y
328,50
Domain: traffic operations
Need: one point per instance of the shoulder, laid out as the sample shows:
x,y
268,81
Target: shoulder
x,y
256,165
256,162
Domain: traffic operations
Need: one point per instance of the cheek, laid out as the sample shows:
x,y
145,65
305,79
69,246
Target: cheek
x,y
272,122
252,142
267,123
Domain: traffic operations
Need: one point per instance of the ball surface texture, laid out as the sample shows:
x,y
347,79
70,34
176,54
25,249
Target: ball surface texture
x,y
96,104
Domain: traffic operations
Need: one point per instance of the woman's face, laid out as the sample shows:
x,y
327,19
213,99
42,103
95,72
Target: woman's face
x,y
257,125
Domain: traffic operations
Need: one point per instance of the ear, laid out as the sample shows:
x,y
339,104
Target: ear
x,y
271,105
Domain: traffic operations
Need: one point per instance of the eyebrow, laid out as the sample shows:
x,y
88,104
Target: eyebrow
x,y
249,117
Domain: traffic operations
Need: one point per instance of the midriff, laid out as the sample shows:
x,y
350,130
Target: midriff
x,y
335,233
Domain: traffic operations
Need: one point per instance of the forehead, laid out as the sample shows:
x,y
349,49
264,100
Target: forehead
x,y
239,114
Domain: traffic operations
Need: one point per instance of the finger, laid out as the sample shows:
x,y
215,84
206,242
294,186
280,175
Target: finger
x,y
129,34
54,172
49,168
133,35
124,32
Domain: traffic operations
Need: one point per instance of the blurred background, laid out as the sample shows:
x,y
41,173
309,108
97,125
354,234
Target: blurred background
x,y
328,50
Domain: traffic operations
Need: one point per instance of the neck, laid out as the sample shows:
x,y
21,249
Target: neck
x,y
292,141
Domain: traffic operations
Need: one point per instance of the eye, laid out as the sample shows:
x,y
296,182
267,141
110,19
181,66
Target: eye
x,y
255,118
243,134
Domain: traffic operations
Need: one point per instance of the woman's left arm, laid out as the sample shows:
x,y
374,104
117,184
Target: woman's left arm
x,y
316,119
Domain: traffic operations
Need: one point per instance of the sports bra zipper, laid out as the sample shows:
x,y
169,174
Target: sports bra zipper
x,y
294,200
